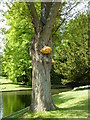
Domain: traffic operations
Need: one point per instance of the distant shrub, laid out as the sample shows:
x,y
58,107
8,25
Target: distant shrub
x,y
55,77
29,83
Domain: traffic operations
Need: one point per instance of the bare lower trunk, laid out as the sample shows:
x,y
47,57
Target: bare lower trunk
x,y
41,86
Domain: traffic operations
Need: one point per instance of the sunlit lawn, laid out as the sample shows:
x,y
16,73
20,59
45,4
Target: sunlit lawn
x,y
3,80
12,87
71,104
6,85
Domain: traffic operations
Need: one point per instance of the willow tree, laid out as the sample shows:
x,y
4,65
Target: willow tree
x,y
41,99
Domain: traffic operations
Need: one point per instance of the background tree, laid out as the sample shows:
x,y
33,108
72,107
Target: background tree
x,y
72,54
16,59
0,64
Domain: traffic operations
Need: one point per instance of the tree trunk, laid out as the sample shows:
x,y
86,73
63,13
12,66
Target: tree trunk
x,y
41,64
41,87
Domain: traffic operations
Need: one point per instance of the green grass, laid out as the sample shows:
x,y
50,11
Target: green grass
x,y
5,81
7,85
71,104
13,87
56,91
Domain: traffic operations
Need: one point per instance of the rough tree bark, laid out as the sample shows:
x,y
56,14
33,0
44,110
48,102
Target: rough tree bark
x,y
41,64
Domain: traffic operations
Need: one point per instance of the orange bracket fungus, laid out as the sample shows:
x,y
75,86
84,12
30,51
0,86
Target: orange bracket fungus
x,y
46,50
53,61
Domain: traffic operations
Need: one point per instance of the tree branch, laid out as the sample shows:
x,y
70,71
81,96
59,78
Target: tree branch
x,y
70,9
59,25
50,20
35,19
65,18
45,9
48,7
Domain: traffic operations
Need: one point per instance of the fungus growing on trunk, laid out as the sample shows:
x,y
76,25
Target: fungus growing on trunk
x,y
46,50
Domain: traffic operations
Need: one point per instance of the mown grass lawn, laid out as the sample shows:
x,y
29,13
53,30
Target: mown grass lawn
x,y
7,85
13,87
71,104
4,80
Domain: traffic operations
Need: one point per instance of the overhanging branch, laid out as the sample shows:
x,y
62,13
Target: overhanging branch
x,y
65,18
70,9
56,29
33,12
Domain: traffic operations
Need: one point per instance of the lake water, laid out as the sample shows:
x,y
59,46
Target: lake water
x,y
13,101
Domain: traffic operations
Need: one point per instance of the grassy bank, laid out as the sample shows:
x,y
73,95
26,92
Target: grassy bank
x,y
71,104
13,87
7,85
5,81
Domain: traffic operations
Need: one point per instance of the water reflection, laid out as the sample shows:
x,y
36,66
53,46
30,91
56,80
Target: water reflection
x,y
1,106
13,101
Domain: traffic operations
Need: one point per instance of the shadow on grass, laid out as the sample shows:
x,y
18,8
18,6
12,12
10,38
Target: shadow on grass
x,y
61,99
79,110
82,105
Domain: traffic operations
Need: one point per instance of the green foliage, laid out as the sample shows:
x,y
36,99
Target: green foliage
x,y
29,83
56,33
16,59
72,53
16,63
55,77
0,64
